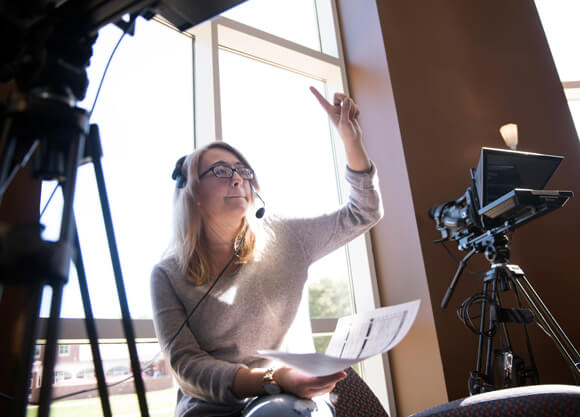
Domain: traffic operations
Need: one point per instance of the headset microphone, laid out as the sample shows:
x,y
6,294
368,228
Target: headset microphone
x,y
260,212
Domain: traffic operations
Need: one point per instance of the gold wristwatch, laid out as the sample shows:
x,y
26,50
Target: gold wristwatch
x,y
270,386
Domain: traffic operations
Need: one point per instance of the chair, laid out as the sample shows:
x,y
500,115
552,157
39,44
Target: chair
x,y
528,401
352,397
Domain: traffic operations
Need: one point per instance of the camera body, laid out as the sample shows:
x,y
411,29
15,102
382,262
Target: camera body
x,y
507,191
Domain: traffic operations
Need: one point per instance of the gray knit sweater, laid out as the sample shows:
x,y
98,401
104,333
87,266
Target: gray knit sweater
x,y
253,308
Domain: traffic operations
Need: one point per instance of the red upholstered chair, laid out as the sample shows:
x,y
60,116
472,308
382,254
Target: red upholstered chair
x,y
528,401
352,397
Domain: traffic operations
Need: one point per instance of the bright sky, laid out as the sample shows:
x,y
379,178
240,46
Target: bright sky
x,y
560,20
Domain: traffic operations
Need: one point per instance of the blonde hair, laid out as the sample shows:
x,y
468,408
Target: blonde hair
x,y
187,245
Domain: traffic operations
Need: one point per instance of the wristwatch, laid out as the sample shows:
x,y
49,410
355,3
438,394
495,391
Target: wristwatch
x,y
270,386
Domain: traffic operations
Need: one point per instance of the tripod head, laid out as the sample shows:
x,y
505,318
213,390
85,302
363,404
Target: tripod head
x,y
494,244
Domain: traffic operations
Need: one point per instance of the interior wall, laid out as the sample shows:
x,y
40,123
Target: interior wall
x,y
454,72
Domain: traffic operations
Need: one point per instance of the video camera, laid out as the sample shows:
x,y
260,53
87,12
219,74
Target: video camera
x,y
507,191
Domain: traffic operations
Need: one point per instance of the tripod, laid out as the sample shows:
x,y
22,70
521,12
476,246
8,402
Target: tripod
x,y
50,133
502,277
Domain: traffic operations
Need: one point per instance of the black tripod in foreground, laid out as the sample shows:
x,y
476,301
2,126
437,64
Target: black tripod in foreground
x,y
503,277
44,131
51,136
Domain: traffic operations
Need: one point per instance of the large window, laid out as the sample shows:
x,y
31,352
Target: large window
x,y
560,21
243,78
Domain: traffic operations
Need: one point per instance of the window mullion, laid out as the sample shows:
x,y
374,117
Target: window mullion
x,y
208,126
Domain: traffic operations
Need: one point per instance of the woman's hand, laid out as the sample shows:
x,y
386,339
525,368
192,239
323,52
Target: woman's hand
x,y
344,116
343,113
302,385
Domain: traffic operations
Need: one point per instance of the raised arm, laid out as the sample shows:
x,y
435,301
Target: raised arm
x,y
343,112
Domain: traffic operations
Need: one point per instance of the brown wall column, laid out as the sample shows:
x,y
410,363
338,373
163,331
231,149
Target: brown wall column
x,y
435,80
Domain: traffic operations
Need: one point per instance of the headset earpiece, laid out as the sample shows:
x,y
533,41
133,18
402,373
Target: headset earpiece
x,y
178,175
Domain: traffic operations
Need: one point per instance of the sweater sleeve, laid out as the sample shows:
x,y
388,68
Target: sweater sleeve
x,y
198,374
323,234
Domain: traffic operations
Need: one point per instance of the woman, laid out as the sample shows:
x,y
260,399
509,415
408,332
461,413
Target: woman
x,y
259,283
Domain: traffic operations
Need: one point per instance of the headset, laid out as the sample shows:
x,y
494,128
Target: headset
x,y
180,178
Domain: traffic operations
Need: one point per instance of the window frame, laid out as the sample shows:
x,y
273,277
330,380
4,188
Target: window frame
x,y
572,94
571,90
571,87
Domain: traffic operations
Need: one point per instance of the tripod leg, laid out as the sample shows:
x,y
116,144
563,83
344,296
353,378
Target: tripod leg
x,y
94,151
481,328
551,327
91,328
490,331
477,381
19,311
532,371
49,359
64,255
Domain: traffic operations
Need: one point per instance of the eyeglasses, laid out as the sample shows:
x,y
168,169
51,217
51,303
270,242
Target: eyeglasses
x,y
223,171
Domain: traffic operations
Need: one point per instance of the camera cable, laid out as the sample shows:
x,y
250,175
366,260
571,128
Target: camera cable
x,y
463,312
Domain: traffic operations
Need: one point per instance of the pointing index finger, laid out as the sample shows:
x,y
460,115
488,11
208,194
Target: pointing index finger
x,y
322,100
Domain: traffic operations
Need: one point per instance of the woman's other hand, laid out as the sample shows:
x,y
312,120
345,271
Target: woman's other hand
x,y
305,386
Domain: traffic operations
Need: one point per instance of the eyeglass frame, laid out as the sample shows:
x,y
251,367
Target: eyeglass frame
x,y
230,168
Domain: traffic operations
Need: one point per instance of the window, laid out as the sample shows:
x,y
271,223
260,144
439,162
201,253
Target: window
x,y
86,373
305,22
118,370
144,113
63,350
560,21
250,73
60,376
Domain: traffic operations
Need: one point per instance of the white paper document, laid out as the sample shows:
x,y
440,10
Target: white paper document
x,y
355,338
